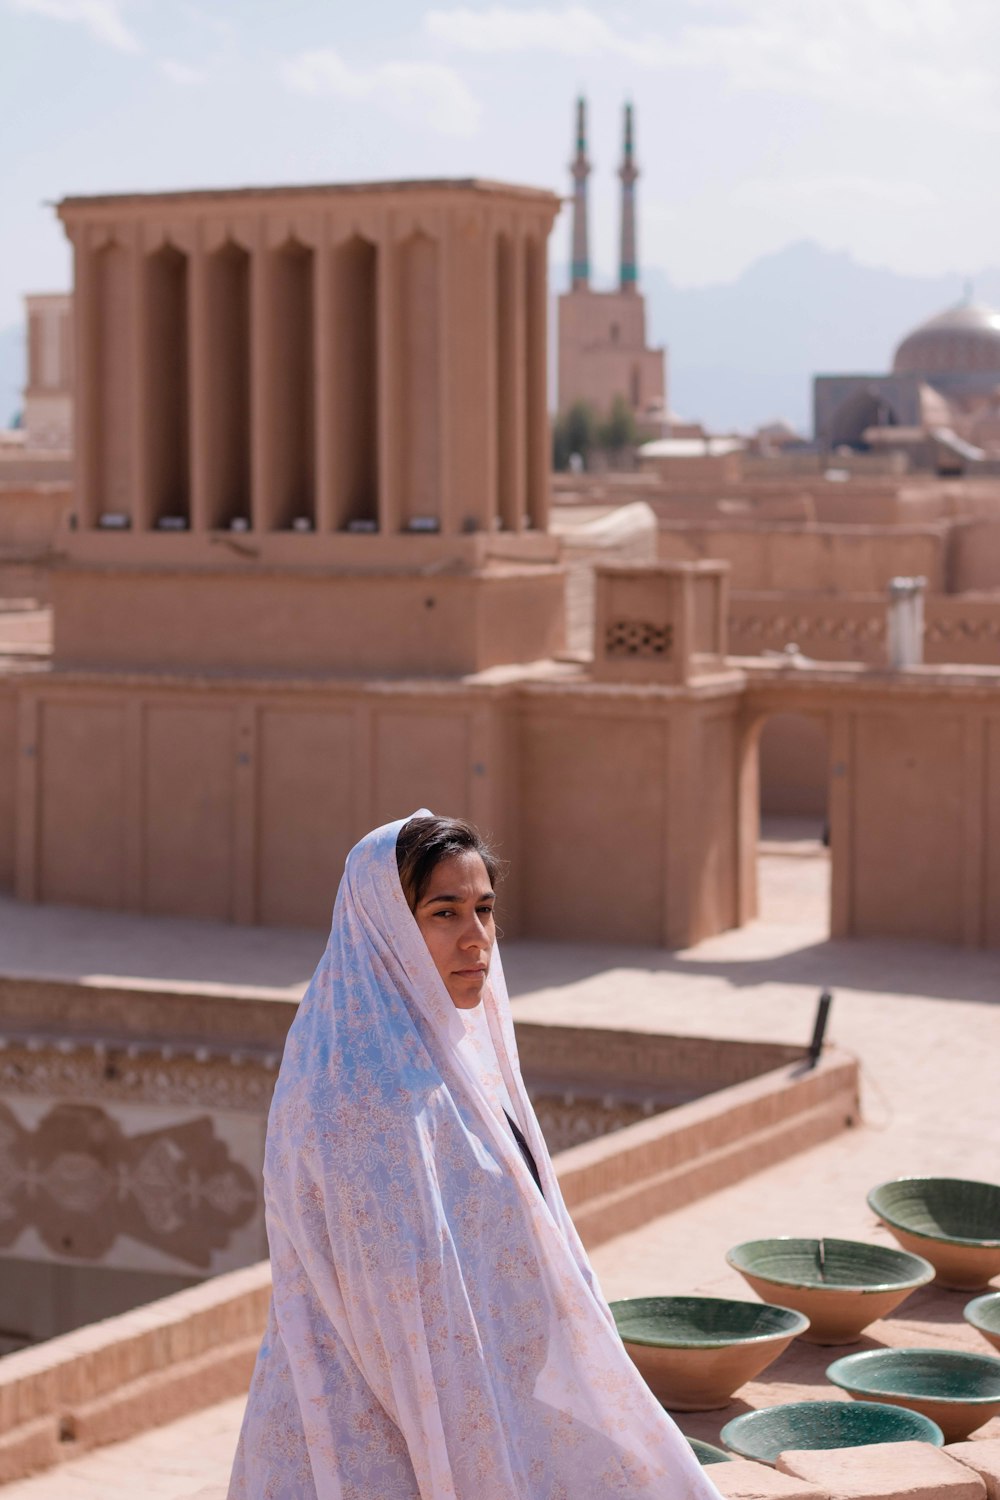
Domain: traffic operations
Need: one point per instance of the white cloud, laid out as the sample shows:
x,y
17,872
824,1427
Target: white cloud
x,y
574,31
181,73
422,93
102,18
895,57
924,58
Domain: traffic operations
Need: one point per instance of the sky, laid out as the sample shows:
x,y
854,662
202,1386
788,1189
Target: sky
x,y
870,126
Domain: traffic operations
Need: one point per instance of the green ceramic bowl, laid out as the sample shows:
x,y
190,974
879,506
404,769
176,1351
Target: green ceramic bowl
x,y
774,1430
953,1222
706,1454
984,1314
694,1352
840,1285
956,1390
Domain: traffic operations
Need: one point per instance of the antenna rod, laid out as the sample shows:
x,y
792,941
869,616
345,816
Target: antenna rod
x,y
819,1027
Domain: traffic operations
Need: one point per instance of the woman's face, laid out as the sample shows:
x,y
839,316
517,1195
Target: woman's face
x,y
455,916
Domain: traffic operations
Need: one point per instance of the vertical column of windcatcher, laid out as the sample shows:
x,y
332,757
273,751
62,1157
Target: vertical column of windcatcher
x,y
580,168
628,172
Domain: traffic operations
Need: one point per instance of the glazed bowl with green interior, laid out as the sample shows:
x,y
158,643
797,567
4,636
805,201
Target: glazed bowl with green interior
x,y
764,1435
694,1352
958,1391
840,1285
984,1315
705,1453
951,1221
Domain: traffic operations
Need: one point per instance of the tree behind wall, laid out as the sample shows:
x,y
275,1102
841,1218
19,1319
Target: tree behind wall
x,y
618,433
581,430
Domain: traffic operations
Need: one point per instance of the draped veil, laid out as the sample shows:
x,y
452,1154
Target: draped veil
x,y
435,1331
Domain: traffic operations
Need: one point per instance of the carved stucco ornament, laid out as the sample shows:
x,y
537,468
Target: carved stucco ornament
x,y
79,1181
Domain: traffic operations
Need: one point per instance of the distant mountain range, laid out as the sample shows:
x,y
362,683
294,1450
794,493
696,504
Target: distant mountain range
x,y
743,352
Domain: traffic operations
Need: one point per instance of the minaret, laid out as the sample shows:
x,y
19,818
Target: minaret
x,y
628,172
580,168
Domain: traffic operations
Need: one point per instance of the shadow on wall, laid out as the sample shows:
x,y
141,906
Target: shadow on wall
x,y
794,768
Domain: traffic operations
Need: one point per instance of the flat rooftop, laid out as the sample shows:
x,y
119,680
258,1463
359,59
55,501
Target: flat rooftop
x,y
924,1021
195,197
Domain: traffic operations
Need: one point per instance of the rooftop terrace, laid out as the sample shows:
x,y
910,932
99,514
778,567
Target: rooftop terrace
x,y
924,1021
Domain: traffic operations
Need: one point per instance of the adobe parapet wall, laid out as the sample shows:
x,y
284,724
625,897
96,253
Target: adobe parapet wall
x,y
958,628
238,796
628,810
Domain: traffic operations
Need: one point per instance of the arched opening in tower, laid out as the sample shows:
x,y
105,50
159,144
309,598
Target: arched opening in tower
x,y
856,415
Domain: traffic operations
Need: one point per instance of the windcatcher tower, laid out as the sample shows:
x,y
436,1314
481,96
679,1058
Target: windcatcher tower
x,y
296,405
580,168
628,172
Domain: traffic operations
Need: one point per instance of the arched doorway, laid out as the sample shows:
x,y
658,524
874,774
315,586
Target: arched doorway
x,y
854,416
793,847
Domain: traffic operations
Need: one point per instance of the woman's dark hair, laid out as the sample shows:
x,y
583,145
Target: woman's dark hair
x,y
423,842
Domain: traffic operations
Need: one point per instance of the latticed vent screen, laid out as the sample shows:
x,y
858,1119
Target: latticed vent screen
x,y
637,638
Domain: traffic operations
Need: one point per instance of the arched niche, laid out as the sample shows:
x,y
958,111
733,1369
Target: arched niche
x,y
536,421
353,401
293,415
509,504
165,390
112,374
417,351
228,386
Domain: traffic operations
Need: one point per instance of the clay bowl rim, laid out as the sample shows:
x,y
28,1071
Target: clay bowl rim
x,y
739,1341
872,1288
867,1357
972,1308
934,1434
699,1447
941,1238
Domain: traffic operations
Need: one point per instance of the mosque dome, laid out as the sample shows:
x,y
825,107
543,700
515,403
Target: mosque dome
x,y
963,340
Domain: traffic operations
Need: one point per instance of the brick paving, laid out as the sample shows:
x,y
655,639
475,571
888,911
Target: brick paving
x,y
923,1020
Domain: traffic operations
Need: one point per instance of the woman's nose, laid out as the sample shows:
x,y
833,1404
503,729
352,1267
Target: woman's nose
x,y
474,934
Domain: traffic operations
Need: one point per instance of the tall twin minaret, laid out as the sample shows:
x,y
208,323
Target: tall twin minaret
x,y
627,172
580,167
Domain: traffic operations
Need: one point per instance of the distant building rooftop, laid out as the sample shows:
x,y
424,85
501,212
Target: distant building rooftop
x,y
963,338
692,447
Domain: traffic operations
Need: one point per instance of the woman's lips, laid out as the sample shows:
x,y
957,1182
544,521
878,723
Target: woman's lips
x,y
468,973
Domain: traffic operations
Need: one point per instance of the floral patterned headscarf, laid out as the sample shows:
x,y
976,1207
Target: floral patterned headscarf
x,y
436,1332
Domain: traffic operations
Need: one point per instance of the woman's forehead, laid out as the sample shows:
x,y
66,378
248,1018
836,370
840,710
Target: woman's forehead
x,y
459,874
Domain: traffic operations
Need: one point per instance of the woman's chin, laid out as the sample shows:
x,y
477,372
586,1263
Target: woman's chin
x,y
468,996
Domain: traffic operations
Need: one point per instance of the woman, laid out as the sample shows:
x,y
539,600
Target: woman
x,y
435,1330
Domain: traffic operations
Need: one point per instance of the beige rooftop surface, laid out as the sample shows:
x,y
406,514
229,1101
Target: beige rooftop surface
x,y
924,1020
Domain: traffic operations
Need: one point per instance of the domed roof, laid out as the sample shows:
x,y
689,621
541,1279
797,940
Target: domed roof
x,y
965,339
